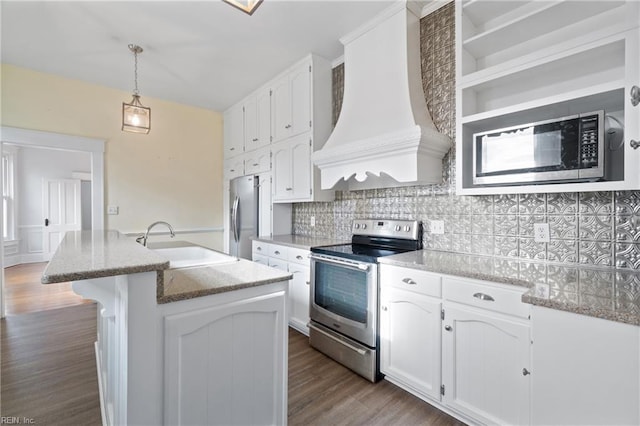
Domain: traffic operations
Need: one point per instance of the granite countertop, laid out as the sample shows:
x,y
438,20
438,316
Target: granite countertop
x,y
300,241
608,293
94,254
187,283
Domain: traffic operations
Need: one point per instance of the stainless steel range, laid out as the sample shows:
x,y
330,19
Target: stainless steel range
x,y
344,291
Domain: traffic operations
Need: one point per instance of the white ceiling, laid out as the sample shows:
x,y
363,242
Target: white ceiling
x,y
201,53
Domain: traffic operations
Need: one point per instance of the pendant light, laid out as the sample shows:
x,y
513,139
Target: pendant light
x,y
247,6
136,118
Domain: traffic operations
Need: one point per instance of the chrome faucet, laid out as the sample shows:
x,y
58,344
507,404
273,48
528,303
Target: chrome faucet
x,y
142,239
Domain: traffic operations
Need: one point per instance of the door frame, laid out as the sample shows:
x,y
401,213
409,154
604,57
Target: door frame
x,y
63,142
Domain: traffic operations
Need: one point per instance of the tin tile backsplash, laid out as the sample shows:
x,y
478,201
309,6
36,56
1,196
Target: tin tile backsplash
x,y
592,228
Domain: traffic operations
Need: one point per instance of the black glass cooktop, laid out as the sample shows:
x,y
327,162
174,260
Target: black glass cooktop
x,y
364,253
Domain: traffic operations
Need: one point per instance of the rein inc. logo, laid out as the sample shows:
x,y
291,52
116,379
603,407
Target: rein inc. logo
x,y
16,420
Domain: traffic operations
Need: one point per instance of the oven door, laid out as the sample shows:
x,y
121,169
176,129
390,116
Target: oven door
x,y
344,296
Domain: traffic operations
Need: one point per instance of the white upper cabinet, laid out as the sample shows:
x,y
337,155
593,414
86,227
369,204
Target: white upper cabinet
x,y
233,131
291,103
292,170
526,61
257,120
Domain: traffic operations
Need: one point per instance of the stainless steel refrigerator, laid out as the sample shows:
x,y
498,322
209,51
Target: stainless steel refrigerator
x,y
243,202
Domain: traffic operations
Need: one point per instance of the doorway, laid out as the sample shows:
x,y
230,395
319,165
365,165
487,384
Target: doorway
x,y
59,142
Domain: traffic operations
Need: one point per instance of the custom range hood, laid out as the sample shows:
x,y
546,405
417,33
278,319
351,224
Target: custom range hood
x,y
384,136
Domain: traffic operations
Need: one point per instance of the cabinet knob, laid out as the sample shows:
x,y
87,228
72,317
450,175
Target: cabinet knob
x,y
525,372
277,253
299,257
259,248
308,282
255,164
384,308
288,126
634,143
448,327
635,95
231,149
255,139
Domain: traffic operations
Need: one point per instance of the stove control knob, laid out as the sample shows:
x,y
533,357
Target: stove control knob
x,y
398,227
357,226
364,226
407,228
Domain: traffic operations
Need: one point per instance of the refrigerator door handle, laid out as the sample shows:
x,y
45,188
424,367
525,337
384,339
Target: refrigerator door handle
x,y
234,219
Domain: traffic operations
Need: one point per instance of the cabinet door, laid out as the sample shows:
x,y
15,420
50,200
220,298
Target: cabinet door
x,y
281,166
301,168
257,161
410,340
281,110
263,120
484,357
233,131
300,86
250,108
234,167
227,364
299,297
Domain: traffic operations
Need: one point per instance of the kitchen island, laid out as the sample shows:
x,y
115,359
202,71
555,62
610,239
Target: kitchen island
x,y
198,345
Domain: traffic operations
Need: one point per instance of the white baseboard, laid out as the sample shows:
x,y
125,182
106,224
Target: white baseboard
x,y
23,258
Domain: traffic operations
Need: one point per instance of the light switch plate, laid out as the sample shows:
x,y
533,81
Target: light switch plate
x,y
112,210
541,232
436,227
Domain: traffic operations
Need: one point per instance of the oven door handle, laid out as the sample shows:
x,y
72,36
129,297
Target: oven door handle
x,y
361,266
353,348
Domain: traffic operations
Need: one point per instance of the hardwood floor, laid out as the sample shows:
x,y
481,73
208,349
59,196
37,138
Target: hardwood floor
x,y
24,293
48,367
323,392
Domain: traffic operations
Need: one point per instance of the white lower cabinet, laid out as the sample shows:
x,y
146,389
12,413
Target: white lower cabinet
x,y
296,261
207,353
462,345
410,340
586,370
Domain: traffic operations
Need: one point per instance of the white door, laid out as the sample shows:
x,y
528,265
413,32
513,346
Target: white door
x,y
62,211
485,365
410,340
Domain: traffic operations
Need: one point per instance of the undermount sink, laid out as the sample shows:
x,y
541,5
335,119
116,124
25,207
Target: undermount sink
x,y
184,257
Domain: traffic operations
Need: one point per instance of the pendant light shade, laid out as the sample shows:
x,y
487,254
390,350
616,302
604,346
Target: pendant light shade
x,y
136,117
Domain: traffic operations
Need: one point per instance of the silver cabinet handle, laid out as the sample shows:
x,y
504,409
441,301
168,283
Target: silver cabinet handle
x,y
634,144
308,282
635,95
483,296
288,189
525,372
259,248
409,281
448,327
231,149
255,139
233,170
288,126
277,253
255,164
299,257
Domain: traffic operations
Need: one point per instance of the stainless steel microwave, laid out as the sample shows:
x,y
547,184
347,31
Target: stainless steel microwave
x,y
567,149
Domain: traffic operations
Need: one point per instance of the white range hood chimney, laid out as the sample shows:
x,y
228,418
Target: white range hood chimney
x,y
384,134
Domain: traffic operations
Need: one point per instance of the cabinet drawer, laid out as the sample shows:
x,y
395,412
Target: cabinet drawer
x,y
233,168
278,264
297,255
260,248
258,161
410,279
278,252
490,296
261,259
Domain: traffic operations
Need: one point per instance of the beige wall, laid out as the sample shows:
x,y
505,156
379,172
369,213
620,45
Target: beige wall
x,y
174,173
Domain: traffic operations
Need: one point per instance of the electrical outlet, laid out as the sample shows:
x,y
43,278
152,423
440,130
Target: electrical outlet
x,y
437,227
313,221
541,232
112,209
541,291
